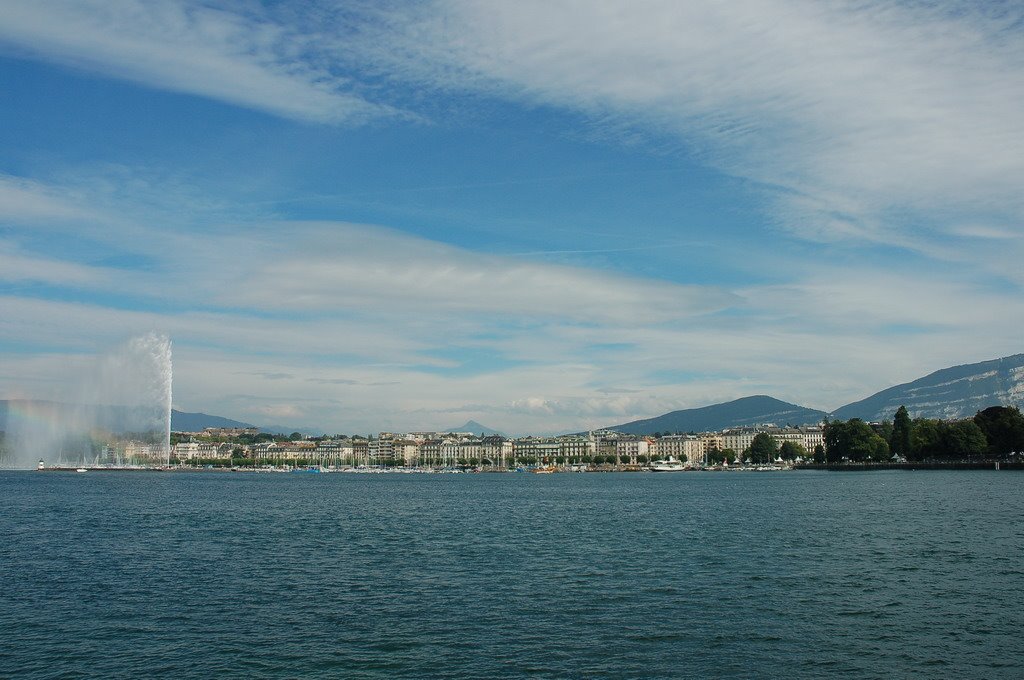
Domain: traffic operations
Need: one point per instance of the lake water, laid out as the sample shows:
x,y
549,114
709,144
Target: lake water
x,y
801,574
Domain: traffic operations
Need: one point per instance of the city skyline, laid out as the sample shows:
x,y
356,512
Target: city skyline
x,y
538,216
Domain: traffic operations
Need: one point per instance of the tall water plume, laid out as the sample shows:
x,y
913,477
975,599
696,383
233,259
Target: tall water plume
x,y
115,409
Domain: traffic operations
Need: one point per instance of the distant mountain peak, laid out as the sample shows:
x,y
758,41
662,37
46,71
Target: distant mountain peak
x,y
475,428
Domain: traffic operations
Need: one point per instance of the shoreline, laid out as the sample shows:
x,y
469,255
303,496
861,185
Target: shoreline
x,y
828,467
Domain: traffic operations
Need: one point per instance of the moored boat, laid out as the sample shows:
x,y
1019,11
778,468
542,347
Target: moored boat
x,y
667,466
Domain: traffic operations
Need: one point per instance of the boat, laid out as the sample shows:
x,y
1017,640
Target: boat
x,y
544,470
667,466
82,470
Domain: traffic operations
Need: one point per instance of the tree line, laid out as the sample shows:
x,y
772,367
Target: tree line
x,y
996,432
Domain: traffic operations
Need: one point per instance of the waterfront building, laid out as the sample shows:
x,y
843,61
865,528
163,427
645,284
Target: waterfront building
x,y
406,452
430,452
575,448
360,451
629,449
286,452
382,448
688,447
496,451
739,439
814,436
137,451
538,449
470,451
193,450
335,452
450,451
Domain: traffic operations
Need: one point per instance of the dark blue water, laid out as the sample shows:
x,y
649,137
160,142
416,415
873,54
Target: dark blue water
x,y
802,574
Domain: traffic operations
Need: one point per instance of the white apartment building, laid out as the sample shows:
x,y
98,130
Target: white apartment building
x,y
575,448
688,447
407,452
543,450
740,439
629,449
197,450
496,451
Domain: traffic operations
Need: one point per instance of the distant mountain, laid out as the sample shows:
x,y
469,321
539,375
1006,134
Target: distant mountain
x,y
475,428
754,410
197,422
957,392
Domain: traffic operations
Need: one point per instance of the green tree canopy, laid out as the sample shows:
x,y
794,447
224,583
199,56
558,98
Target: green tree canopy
x,y
899,442
791,450
853,441
1003,427
763,448
964,440
925,439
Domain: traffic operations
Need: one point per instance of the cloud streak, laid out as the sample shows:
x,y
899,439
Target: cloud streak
x,y
874,120
242,58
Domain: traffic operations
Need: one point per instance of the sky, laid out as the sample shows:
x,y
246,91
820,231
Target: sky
x,y
541,215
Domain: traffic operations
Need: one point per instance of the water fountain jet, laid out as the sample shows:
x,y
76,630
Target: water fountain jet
x,y
118,408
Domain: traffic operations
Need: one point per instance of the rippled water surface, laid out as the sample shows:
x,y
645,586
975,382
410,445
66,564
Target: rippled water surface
x,y
802,574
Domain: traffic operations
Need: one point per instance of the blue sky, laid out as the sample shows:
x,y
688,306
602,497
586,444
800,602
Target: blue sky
x,y
543,216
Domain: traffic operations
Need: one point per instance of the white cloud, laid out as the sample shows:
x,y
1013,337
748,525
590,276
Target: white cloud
x,y
17,266
240,58
355,267
27,201
874,120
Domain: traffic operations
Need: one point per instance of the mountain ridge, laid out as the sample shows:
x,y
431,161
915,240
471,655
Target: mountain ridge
x,y
948,393
475,427
758,409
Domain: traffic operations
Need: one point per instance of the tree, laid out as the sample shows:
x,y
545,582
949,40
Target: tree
x,y
963,440
763,448
791,450
926,439
295,436
853,441
1003,427
899,442
819,453
717,457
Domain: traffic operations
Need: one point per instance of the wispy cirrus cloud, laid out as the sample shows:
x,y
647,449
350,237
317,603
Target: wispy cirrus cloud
x,y
360,267
242,57
28,201
879,121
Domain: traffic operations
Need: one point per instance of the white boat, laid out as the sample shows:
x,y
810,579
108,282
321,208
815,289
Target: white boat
x,y
667,466
82,470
